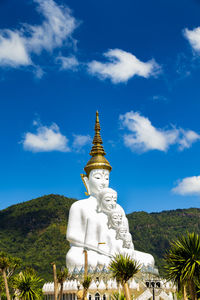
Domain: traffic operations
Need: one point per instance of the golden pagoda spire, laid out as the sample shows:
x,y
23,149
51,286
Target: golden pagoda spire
x,y
97,161
97,141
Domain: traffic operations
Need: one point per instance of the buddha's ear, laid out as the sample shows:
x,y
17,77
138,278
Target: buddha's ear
x,y
86,183
109,225
117,235
99,209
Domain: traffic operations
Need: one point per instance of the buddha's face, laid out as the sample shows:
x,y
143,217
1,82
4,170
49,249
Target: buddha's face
x,y
108,201
116,219
127,242
98,179
122,233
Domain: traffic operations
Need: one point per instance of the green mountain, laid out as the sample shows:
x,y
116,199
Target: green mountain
x,y
153,232
36,231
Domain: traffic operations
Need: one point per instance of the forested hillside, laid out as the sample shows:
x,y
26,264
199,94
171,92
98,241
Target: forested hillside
x,y
153,232
36,231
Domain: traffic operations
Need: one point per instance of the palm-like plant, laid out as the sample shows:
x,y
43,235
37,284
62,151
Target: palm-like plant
x,y
8,265
86,283
4,265
61,277
118,296
124,268
183,262
28,286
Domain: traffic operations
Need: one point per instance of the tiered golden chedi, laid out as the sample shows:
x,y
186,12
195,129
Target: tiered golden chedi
x,y
98,160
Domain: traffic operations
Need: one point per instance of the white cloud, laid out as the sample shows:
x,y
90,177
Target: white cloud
x,y
122,66
68,63
39,73
144,136
13,51
57,28
187,138
188,186
193,37
80,141
45,139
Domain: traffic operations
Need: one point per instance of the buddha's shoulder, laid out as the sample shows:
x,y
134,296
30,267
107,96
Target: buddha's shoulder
x,y
84,204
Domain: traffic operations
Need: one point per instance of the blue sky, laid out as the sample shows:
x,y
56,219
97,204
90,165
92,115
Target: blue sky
x,y
137,62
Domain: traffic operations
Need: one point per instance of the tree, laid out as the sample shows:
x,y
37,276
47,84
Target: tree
x,y
87,279
55,281
28,285
124,268
1,286
4,264
8,265
62,275
182,263
86,283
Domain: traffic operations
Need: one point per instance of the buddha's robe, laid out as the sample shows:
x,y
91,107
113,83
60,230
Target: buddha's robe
x,y
88,229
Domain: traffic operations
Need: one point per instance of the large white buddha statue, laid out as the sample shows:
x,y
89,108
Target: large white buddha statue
x,y
97,223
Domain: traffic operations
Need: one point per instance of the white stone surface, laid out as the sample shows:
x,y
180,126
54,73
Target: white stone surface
x,y
91,226
133,284
146,295
93,285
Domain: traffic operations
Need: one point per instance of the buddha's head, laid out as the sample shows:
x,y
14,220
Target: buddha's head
x,y
121,232
127,241
107,199
115,219
97,180
98,168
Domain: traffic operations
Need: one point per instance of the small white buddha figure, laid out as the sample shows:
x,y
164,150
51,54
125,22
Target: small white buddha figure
x,y
107,200
107,203
108,207
115,219
122,232
127,241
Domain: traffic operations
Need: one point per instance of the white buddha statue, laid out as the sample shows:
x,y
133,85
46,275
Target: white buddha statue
x,y
91,225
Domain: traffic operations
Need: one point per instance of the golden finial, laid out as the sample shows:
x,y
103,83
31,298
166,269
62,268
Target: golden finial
x,y
97,161
97,141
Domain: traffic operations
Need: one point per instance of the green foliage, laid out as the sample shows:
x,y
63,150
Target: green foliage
x,y
86,283
9,263
3,296
35,231
118,296
183,262
62,275
4,261
183,258
153,232
28,286
123,268
1,285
